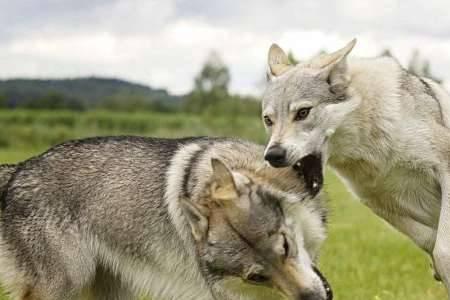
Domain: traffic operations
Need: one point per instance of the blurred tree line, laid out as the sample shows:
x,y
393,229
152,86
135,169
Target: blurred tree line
x,y
83,94
210,93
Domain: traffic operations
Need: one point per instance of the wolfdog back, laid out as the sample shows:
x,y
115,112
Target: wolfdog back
x,y
97,213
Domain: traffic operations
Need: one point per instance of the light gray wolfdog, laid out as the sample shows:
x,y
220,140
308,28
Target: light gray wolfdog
x,y
384,130
115,217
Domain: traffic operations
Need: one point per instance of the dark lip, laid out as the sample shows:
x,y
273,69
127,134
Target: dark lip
x,y
326,285
310,168
282,163
279,164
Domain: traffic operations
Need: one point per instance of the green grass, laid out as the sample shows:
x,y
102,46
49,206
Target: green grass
x,y
363,258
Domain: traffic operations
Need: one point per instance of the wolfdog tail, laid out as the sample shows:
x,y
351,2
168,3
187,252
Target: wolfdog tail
x,y
6,172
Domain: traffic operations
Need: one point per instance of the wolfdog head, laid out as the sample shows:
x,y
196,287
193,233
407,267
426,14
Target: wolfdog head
x,y
241,231
304,104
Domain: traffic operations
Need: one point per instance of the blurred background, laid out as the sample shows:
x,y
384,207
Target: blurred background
x,y
78,68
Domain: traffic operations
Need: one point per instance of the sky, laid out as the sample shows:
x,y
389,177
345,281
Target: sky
x,y
164,43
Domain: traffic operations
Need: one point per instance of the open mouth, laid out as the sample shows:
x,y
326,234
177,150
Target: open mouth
x,y
326,285
310,167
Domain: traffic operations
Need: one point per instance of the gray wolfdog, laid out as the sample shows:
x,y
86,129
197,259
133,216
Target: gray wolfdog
x,y
114,217
384,130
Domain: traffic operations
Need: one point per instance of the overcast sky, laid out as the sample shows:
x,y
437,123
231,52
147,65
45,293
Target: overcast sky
x,y
163,43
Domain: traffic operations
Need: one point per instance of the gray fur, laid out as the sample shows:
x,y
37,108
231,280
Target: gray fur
x,y
110,218
384,130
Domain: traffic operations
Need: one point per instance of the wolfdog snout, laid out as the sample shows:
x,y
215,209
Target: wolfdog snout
x,y
309,167
276,156
316,295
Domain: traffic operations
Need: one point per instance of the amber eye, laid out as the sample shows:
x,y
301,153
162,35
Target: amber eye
x,y
268,121
302,113
257,278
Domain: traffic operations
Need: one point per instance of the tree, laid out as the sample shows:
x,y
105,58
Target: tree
x,y
3,101
210,85
53,100
292,59
214,76
125,102
386,52
420,66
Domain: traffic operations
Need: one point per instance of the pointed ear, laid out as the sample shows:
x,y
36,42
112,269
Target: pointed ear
x,y
333,68
197,217
278,61
223,186
329,60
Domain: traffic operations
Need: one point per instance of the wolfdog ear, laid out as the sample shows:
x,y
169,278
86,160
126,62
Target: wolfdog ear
x,y
223,186
197,217
278,61
333,67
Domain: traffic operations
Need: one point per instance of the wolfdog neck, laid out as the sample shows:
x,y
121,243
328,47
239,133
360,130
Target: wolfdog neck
x,y
370,124
190,172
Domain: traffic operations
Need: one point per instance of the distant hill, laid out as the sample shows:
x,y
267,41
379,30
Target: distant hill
x,y
86,92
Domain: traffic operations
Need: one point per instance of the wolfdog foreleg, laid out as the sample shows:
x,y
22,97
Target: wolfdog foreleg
x,y
441,252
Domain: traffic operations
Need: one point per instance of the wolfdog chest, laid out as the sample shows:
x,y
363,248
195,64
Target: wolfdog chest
x,y
402,194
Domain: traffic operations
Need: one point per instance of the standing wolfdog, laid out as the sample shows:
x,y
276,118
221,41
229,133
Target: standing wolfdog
x,y
384,130
114,217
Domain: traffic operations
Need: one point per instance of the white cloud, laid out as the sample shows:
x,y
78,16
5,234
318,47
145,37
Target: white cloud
x,y
169,58
164,43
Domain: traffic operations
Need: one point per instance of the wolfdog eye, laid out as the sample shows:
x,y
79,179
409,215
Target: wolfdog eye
x,y
268,121
302,113
257,278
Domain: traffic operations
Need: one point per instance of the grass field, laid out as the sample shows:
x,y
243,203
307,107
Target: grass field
x,y
363,258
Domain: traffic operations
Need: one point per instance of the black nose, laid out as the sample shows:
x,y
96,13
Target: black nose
x,y
276,156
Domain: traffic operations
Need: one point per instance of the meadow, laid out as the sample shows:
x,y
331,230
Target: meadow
x,y
363,258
